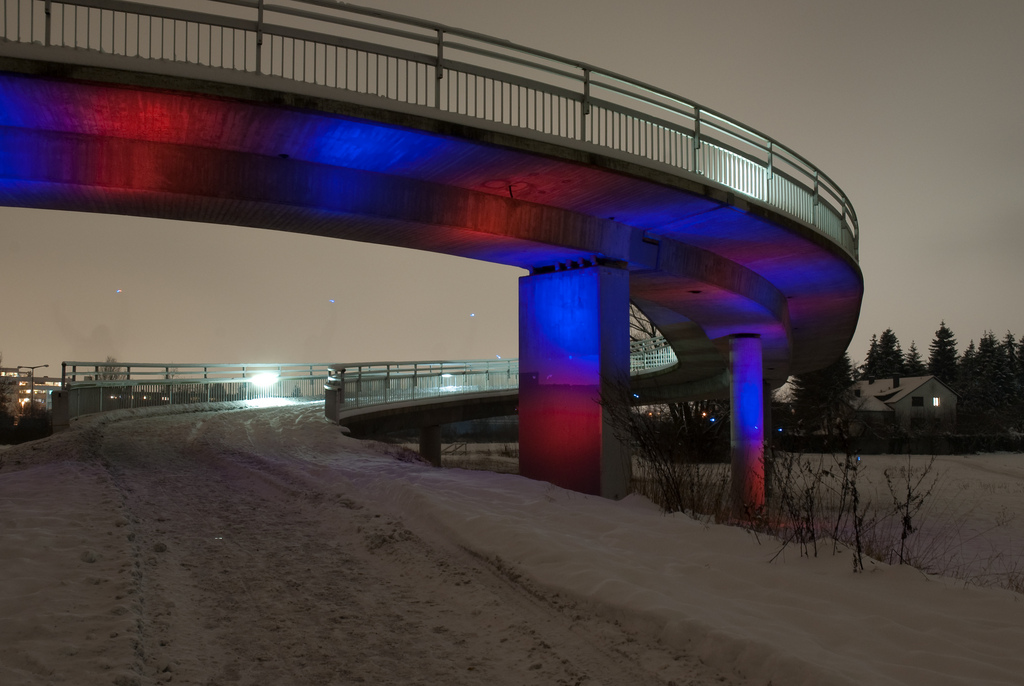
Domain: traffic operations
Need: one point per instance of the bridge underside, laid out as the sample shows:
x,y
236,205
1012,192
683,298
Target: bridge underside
x,y
701,262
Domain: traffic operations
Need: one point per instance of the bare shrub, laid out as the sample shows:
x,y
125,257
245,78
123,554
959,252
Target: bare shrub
x,y
677,451
111,371
906,486
816,499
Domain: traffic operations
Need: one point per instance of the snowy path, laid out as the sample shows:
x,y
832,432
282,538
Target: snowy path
x,y
260,546
257,567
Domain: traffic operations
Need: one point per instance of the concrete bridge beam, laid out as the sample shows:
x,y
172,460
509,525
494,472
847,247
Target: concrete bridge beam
x,y
573,347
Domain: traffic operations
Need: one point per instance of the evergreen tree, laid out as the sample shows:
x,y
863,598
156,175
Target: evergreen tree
x,y
871,363
7,389
1016,411
970,416
942,358
967,365
885,357
821,399
913,365
892,353
992,372
1014,373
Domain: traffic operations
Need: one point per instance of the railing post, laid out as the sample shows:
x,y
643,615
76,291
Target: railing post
x,y
771,171
694,166
817,200
842,221
46,10
439,68
63,375
259,38
585,107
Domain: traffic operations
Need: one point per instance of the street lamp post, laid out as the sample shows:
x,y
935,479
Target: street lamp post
x,y
32,384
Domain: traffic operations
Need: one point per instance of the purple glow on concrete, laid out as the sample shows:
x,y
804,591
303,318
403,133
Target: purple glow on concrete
x,y
746,395
573,338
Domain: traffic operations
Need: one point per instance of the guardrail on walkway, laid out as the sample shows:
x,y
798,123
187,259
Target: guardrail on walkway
x,y
103,386
378,383
393,382
462,73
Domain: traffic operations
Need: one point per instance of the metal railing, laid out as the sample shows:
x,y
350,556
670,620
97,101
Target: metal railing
x,y
379,383
103,386
650,355
463,74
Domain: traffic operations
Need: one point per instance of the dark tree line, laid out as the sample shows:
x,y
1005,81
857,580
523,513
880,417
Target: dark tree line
x,y
988,377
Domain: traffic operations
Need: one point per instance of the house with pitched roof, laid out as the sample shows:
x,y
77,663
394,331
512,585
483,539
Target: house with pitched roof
x,y
913,403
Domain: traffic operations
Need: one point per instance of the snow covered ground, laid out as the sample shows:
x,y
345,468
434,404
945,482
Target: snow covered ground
x,y
260,546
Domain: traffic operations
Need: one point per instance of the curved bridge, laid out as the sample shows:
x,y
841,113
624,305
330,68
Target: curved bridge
x,y
325,118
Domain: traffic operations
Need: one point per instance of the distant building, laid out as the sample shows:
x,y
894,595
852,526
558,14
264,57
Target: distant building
x,y
25,384
913,403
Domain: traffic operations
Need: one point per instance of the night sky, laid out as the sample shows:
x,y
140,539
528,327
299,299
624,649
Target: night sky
x,y
913,108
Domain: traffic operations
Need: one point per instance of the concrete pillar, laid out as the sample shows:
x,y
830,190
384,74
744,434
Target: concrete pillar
x,y
769,438
59,411
573,342
430,444
746,395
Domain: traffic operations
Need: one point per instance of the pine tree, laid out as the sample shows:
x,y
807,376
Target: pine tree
x,y
970,416
1014,371
967,366
942,360
871,363
6,393
992,370
912,363
1016,419
888,357
821,399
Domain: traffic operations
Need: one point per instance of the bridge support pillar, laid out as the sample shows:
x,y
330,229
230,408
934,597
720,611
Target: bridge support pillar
x,y
769,438
573,345
430,444
746,396
59,411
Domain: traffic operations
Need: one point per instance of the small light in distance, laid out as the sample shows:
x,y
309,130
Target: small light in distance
x,y
472,314
331,301
118,290
498,356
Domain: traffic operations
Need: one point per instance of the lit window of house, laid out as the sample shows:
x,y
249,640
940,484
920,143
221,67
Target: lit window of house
x,y
935,402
